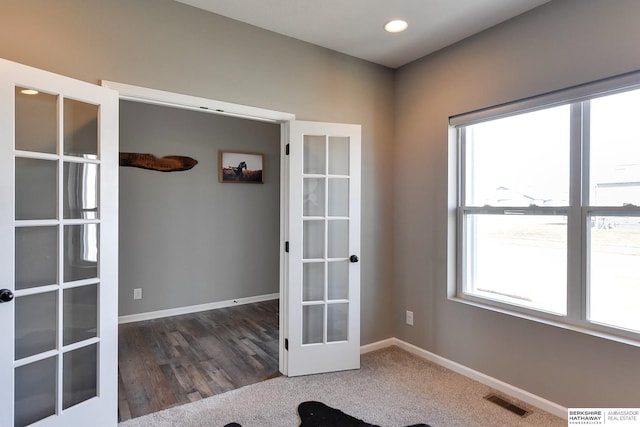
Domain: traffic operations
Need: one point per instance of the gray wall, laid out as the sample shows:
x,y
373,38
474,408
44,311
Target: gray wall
x,y
185,238
561,44
170,46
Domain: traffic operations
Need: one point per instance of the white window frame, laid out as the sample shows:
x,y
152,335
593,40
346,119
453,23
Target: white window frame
x,y
578,212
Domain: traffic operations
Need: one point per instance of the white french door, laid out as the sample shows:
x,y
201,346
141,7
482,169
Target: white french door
x,y
58,249
322,279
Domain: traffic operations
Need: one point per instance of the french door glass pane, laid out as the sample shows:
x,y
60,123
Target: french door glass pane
x,y
80,129
81,252
505,160
338,281
314,155
36,258
80,375
314,197
313,239
313,281
40,108
517,259
80,313
35,334
338,239
312,324
338,155
339,197
36,189
35,391
80,191
338,322
614,277
614,150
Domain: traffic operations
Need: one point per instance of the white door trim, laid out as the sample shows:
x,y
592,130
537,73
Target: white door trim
x,y
188,102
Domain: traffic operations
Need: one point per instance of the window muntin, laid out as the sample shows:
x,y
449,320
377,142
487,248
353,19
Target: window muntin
x,y
523,181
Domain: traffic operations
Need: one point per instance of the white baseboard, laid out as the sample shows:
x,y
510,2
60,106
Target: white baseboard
x,y
194,308
501,386
378,345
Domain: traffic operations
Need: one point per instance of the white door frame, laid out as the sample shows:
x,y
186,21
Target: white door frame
x,y
188,102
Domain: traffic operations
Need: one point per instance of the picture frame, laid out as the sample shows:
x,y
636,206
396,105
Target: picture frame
x,y
243,167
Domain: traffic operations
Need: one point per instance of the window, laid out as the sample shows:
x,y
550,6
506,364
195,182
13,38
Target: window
x,y
548,209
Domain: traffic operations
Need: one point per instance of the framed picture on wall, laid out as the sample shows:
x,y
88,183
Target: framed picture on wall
x,y
241,167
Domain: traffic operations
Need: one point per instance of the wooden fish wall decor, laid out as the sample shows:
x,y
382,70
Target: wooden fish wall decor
x,y
162,164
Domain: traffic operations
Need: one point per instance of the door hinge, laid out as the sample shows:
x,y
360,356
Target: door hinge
x,y
286,247
286,149
286,344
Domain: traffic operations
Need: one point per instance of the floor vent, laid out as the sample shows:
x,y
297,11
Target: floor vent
x,y
494,398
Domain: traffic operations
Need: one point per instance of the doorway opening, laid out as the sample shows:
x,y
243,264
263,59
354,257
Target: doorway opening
x,y
186,239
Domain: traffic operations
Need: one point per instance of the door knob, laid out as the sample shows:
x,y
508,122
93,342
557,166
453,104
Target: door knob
x,y
5,295
354,258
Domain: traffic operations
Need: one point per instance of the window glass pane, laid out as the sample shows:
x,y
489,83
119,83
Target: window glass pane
x,y
313,281
337,322
338,155
517,259
80,375
313,239
80,252
519,161
314,154
339,197
36,196
313,197
614,277
35,391
80,129
615,150
36,121
312,324
36,256
338,239
80,314
35,334
80,190
338,280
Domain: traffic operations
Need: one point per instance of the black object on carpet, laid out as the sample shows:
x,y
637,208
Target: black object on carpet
x,y
317,414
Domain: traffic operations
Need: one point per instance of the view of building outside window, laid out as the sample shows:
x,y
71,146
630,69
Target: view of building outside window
x,y
516,182
614,271
518,256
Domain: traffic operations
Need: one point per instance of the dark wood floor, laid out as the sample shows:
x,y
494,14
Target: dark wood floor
x,y
176,360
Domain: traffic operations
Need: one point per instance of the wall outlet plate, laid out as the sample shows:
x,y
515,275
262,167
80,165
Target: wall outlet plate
x,y
409,318
137,293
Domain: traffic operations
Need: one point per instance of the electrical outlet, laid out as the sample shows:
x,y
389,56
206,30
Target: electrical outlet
x,y
137,293
409,318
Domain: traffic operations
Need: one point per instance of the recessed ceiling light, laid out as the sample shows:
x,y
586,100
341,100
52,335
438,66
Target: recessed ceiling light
x,y
29,91
396,26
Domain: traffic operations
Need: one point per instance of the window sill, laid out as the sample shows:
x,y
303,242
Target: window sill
x,y
623,339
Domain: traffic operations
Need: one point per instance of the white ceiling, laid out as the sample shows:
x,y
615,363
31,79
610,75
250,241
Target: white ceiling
x,y
355,27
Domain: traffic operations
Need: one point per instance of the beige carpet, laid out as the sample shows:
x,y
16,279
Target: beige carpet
x,y
393,388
